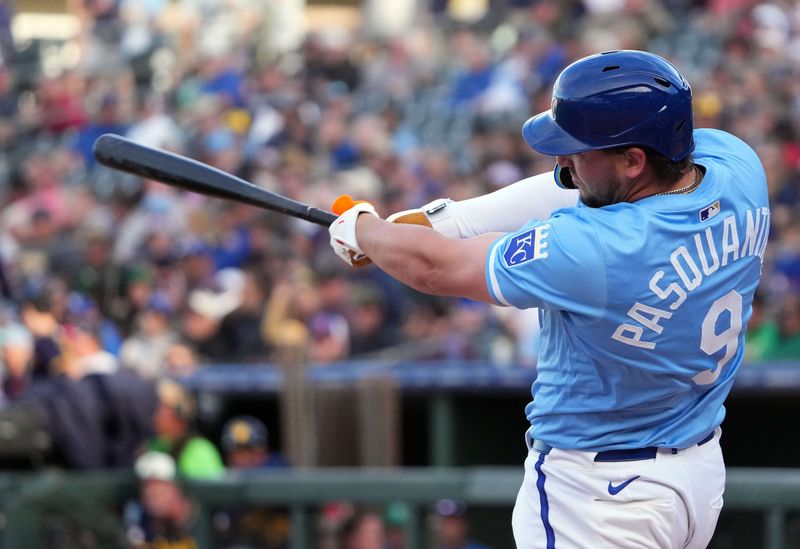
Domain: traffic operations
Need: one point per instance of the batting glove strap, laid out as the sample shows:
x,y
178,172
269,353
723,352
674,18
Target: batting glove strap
x,y
343,235
434,214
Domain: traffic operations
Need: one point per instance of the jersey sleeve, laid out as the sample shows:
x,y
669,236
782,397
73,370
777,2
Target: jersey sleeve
x,y
554,264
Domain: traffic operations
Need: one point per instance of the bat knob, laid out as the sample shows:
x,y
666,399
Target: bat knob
x,y
343,203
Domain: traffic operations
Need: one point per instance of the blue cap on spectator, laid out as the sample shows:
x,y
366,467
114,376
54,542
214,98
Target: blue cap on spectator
x,y
219,140
450,508
82,312
196,247
344,156
320,325
109,99
79,304
243,432
36,293
159,303
158,204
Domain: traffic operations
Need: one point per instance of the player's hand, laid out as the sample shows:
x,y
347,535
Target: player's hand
x,y
418,216
343,230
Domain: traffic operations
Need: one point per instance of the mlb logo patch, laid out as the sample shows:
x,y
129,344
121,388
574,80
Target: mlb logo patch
x,y
709,211
527,246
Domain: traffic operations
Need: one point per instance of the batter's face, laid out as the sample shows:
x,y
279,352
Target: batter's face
x,y
599,176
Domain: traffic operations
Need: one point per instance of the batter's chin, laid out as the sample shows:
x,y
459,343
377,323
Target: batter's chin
x,y
593,201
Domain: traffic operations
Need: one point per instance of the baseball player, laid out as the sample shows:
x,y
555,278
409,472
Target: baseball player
x,y
644,290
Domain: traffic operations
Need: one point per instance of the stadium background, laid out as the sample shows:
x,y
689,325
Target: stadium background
x,y
397,102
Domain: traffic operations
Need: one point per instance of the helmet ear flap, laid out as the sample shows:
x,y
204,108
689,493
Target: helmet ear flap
x,y
563,178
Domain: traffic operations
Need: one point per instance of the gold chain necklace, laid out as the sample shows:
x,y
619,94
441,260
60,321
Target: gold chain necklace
x,y
684,190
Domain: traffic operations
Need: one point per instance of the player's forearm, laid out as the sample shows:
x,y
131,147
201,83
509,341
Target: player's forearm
x,y
402,251
426,260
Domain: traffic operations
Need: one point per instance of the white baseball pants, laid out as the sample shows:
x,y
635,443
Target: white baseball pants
x,y
567,500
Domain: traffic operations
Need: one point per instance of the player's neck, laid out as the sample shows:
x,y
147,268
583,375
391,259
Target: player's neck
x,y
686,184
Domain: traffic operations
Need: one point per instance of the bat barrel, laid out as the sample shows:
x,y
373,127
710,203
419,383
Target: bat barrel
x,y
173,169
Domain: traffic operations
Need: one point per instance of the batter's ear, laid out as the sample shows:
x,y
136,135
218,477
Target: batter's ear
x,y
635,161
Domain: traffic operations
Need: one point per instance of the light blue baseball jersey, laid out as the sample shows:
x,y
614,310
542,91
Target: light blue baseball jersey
x,y
643,305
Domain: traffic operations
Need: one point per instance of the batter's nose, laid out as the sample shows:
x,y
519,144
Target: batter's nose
x,y
564,161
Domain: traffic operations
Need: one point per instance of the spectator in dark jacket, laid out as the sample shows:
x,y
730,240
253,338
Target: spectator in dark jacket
x,y
97,415
37,315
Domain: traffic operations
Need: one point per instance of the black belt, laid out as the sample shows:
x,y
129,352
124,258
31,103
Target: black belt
x,y
633,454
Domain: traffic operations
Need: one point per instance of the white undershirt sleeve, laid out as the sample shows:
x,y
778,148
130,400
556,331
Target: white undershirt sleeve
x,y
504,210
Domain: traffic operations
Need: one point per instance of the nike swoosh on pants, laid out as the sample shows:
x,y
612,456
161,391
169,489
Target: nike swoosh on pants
x,y
614,490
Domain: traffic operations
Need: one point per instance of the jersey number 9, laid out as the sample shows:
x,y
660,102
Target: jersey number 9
x,y
728,339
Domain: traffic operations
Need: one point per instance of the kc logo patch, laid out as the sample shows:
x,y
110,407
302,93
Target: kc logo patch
x,y
527,246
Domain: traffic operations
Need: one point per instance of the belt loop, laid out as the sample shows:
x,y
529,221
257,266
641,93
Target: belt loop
x,y
707,438
702,441
541,447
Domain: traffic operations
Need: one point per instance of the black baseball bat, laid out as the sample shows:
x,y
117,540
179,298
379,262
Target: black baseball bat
x,y
173,169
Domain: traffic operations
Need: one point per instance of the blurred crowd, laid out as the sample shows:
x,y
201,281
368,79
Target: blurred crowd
x,y
111,285
100,270
168,280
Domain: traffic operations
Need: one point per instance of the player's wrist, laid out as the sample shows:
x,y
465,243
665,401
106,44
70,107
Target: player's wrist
x,y
441,216
372,217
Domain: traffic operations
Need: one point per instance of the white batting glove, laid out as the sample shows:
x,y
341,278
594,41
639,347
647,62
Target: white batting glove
x,y
433,214
343,235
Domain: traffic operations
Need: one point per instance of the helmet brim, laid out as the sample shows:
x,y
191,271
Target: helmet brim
x,y
546,137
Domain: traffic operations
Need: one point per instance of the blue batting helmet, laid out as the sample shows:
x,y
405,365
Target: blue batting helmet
x,y
613,99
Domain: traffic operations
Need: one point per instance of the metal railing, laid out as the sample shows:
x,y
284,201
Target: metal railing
x,y
90,500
